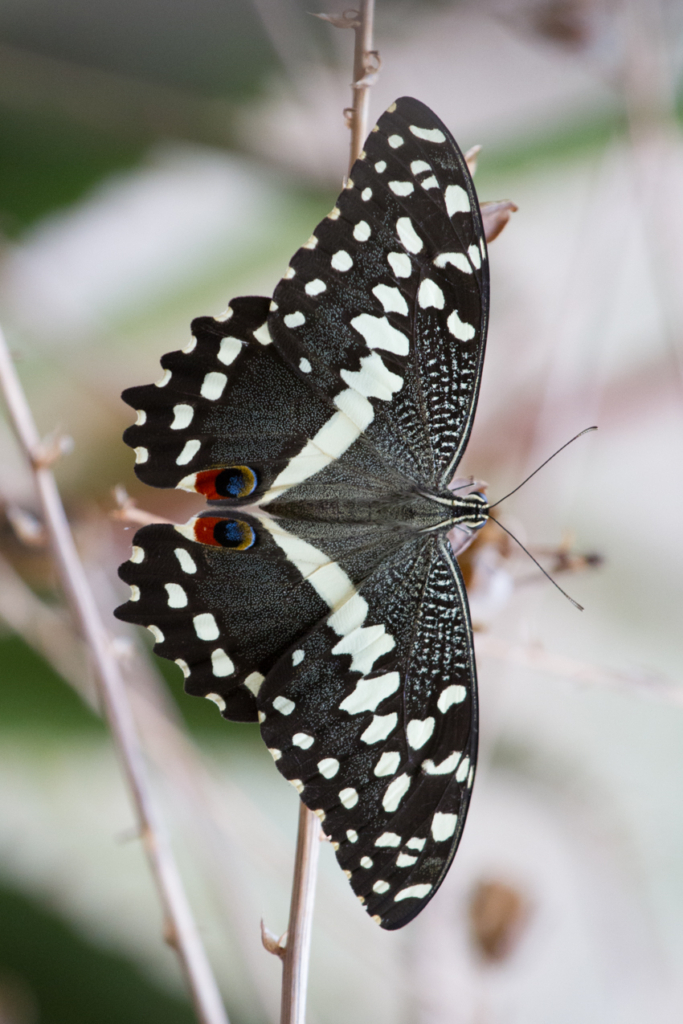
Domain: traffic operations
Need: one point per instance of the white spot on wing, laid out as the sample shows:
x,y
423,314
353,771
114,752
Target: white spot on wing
x,y
362,232
395,141
381,886
400,264
163,381
418,732
419,167
262,335
304,365
388,763
396,790
373,380
348,797
391,299
415,843
186,561
303,740
311,243
366,862
366,194
341,261
408,235
428,134
205,626
213,385
297,657
379,333
253,682
405,860
157,634
352,835
275,753
451,695
177,598
462,771
475,256
443,826
429,294
328,767
221,663
295,319
380,727
459,329
368,693
315,287
134,592
457,200
365,646
141,455
229,350
137,554
430,182
445,767
417,892
453,259
284,705
192,343
182,416
183,666
402,188
381,166
141,418
217,699
297,783
350,616
188,453
388,839
289,273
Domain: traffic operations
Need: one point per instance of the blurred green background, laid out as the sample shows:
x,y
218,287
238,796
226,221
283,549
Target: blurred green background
x,y
160,157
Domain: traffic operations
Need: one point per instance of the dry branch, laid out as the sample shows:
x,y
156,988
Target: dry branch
x,y
179,928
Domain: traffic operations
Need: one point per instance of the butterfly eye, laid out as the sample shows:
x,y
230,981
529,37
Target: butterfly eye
x,y
224,533
231,482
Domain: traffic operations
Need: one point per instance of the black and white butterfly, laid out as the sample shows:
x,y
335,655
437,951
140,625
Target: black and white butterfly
x,y
319,593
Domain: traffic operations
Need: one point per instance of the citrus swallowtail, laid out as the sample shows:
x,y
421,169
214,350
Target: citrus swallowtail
x,y
319,593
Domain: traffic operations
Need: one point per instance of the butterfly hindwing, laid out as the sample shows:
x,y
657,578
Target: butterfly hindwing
x,y
373,718
226,403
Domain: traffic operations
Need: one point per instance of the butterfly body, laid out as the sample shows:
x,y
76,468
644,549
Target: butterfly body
x,y
319,593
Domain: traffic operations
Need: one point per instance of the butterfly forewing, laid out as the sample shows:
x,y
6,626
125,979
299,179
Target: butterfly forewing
x,y
332,608
385,308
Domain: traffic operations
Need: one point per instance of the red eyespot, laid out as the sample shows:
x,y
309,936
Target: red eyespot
x,y
224,533
229,482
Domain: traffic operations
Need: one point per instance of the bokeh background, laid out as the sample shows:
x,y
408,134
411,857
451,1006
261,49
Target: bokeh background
x,y
159,157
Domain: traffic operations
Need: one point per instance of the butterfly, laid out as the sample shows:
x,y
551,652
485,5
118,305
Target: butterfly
x,y
318,593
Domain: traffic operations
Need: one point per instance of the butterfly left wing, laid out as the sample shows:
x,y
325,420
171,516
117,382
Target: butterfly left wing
x,y
372,716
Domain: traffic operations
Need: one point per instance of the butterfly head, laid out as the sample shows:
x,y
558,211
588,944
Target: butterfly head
x,y
471,510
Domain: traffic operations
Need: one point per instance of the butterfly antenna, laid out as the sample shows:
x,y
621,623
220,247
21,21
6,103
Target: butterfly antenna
x,y
547,575
539,468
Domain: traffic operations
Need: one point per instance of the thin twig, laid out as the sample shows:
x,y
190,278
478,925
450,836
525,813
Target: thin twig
x,y
298,948
180,929
363,76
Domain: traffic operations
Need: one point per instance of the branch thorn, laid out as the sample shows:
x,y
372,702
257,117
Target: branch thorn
x,y
271,942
